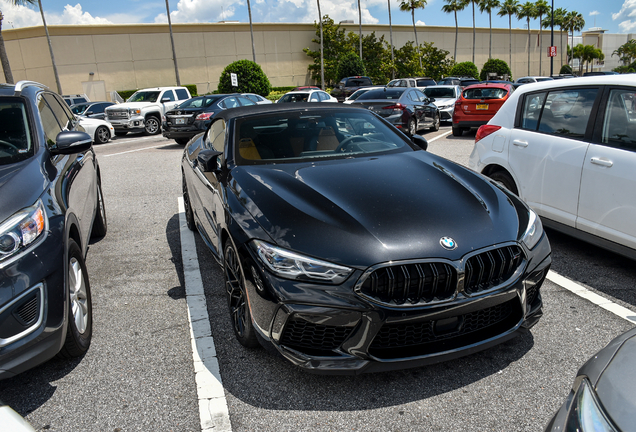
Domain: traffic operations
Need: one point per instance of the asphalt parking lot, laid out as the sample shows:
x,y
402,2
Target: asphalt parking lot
x,y
139,373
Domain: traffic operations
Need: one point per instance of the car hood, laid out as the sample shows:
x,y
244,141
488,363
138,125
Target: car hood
x,y
127,105
21,184
444,101
92,122
368,210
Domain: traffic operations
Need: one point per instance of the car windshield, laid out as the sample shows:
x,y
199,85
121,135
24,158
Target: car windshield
x,y
357,82
449,81
425,82
79,108
293,136
15,141
392,93
485,93
356,94
439,92
294,97
201,102
144,96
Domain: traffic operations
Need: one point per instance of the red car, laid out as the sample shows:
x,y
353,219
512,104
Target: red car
x,y
477,104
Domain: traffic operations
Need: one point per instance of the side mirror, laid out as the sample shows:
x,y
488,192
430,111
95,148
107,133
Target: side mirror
x,y
164,100
87,113
420,141
209,160
71,142
431,99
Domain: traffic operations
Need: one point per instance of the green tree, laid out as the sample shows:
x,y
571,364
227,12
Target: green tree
x,y
565,69
251,78
528,12
334,46
350,65
487,6
454,6
465,69
541,7
626,52
573,21
510,8
474,37
411,5
497,66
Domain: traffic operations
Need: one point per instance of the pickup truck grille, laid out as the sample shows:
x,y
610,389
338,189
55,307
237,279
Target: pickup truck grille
x,y
117,114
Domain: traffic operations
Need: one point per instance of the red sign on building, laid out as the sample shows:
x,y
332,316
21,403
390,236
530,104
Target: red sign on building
x,y
552,51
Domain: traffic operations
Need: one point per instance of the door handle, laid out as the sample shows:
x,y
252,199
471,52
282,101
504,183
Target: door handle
x,y
601,162
520,143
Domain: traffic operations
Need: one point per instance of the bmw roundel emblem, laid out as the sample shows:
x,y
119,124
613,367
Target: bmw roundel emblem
x,y
448,243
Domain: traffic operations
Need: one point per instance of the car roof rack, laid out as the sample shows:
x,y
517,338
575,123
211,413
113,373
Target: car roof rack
x,y
22,84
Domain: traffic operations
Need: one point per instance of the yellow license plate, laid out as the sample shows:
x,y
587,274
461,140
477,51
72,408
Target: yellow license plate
x,y
482,106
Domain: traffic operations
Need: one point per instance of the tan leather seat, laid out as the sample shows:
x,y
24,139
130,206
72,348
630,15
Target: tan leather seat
x,y
247,149
327,139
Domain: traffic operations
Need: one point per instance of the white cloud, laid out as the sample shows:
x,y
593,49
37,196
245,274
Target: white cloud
x,y
627,26
627,10
420,23
594,13
22,16
189,11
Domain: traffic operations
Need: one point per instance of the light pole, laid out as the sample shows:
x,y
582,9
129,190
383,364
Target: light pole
x,y
551,39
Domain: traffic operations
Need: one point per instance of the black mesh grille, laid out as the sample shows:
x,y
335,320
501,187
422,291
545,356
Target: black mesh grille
x,y
489,269
312,338
412,283
28,312
409,340
531,295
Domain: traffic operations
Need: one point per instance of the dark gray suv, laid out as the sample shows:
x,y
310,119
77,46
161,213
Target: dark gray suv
x,y
51,204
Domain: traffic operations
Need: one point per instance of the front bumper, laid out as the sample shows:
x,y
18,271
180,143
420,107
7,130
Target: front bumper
x,y
334,330
134,124
446,114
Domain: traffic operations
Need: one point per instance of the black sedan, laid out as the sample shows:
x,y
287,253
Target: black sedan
x,y
603,397
349,249
408,109
91,109
51,204
195,115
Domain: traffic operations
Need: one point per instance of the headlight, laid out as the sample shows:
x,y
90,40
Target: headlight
x,y
21,229
134,111
534,231
586,414
290,265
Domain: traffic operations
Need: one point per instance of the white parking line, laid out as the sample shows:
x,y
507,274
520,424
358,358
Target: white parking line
x,y
136,150
439,136
213,410
598,300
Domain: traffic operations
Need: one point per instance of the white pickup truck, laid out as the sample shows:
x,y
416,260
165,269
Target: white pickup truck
x,y
142,112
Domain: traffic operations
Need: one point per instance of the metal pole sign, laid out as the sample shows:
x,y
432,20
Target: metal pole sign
x,y
552,51
234,79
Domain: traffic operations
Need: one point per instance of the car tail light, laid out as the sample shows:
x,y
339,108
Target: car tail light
x,y
397,108
205,116
485,130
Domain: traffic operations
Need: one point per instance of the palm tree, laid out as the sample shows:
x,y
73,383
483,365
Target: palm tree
x,y
411,5
322,53
391,41
573,21
3,53
559,19
249,11
360,23
488,6
174,53
527,11
454,6
541,7
473,3
510,8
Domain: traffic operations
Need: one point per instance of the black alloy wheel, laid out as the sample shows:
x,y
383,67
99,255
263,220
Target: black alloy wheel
x,y
237,297
504,179
187,205
152,126
102,135
79,330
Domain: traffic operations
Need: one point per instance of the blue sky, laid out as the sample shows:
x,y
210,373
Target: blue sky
x,y
615,16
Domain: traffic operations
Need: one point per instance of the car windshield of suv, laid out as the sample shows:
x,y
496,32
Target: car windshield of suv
x,y
294,97
295,136
358,82
425,82
449,81
485,93
392,93
200,102
439,92
79,108
144,96
15,141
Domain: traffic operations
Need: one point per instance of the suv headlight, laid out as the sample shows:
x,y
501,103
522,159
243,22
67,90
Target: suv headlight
x,y
134,111
22,229
290,265
534,231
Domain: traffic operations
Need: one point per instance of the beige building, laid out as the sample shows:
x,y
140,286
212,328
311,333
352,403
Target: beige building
x,y
98,59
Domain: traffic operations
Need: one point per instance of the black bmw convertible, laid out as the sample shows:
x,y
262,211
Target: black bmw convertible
x,y
349,248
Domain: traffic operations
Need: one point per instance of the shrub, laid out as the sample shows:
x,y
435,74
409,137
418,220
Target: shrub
x,y
497,66
565,69
251,79
350,65
465,69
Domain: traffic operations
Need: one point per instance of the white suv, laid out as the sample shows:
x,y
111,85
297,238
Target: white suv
x,y
568,148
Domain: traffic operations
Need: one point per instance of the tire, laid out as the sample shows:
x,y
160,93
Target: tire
x,y
152,125
182,141
100,224
120,133
457,131
411,128
237,298
435,126
79,329
102,135
189,215
504,179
